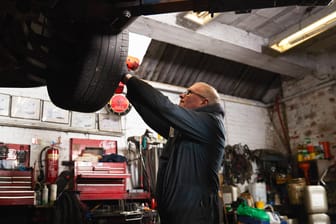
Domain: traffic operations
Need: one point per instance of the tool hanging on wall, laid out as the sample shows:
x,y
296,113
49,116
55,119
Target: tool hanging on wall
x,y
237,164
3,151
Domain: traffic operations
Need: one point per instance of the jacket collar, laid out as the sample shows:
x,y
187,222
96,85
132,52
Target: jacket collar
x,y
213,108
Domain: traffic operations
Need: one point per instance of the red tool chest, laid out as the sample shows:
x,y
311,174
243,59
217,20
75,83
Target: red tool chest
x,y
16,187
98,180
16,177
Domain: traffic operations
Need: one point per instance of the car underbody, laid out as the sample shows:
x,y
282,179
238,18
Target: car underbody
x,y
78,48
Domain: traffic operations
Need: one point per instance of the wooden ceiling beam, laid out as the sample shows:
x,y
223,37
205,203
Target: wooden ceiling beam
x,y
186,38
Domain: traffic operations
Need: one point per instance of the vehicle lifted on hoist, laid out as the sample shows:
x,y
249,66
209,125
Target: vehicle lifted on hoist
x,y
78,48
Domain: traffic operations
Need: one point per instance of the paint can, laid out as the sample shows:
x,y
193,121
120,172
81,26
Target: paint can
x,y
295,189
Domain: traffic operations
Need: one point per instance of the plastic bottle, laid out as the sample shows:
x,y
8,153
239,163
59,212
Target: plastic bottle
x,y
37,197
45,194
53,193
300,156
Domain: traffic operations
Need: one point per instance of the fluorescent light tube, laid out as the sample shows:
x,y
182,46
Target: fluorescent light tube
x,y
306,33
200,18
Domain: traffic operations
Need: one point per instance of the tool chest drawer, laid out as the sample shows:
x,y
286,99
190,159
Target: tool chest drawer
x,y
101,180
16,188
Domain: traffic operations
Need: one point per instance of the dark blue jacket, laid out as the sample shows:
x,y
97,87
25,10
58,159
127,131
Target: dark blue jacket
x,y
187,182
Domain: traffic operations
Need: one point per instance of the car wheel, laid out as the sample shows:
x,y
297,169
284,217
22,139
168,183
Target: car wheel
x,y
79,61
85,65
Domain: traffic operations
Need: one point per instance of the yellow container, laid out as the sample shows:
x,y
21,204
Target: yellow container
x,y
260,204
299,157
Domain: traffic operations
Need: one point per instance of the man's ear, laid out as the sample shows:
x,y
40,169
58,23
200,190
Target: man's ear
x,y
205,102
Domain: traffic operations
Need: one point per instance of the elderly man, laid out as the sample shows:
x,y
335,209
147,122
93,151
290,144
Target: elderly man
x,y
187,182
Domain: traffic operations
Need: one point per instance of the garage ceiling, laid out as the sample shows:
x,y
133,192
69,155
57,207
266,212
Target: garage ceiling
x,y
231,51
169,64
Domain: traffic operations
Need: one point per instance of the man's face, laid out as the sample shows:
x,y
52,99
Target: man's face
x,y
192,98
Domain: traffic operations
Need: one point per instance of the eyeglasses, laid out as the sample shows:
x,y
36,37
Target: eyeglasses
x,y
188,92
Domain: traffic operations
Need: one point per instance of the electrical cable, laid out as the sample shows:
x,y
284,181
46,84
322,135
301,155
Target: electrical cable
x,y
40,178
284,129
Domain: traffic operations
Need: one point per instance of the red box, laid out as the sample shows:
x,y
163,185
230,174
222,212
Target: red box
x,y
77,145
98,180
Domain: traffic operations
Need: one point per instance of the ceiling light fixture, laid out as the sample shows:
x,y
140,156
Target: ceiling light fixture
x,y
305,33
195,20
200,18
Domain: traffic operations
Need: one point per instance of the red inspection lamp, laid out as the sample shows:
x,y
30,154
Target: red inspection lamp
x,y
119,104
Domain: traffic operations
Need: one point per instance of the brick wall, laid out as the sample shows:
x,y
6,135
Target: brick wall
x,y
311,110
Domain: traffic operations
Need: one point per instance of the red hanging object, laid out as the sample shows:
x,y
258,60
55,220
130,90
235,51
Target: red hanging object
x,y
132,63
119,104
120,88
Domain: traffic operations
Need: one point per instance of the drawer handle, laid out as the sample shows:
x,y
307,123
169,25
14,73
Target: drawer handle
x,y
134,219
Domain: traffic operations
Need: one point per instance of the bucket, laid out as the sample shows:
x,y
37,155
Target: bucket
x,y
295,189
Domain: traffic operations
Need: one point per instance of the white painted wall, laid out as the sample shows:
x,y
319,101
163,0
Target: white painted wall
x,y
246,122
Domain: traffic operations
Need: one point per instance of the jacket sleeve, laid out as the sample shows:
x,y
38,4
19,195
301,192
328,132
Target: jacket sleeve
x,y
155,107
154,120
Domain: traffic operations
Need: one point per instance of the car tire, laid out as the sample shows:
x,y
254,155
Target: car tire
x,y
86,63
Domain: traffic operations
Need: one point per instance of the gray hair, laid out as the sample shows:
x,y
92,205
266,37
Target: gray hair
x,y
208,92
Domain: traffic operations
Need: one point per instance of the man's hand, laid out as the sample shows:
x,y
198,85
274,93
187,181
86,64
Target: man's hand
x,y
126,77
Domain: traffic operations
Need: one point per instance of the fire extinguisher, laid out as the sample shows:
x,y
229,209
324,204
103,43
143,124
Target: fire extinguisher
x,y
51,164
52,156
